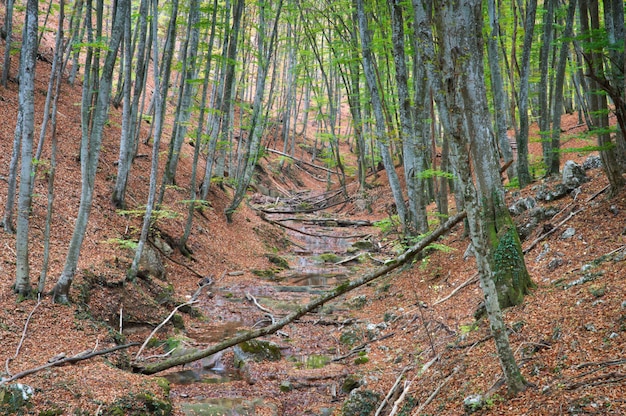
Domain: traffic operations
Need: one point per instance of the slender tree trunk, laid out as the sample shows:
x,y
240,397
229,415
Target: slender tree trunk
x,y
557,111
90,147
8,31
266,49
544,101
523,172
381,134
28,59
497,89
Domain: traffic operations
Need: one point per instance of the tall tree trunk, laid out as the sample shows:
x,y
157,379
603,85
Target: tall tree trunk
x,y
544,101
523,172
91,142
463,108
413,150
559,82
590,25
266,50
130,124
8,40
382,139
28,59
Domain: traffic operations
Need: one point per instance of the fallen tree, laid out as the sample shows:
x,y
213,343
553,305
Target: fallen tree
x,y
407,256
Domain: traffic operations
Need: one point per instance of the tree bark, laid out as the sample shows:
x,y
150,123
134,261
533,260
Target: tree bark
x,y
28,59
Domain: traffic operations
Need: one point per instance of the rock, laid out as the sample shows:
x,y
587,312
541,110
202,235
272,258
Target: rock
x,y
614,210
544,252
473,403
555,263
545,194
151,264
569,233
573,175
357,302
360,403
162,245
365,245
522,205
592,162
256,350
350,383
286,386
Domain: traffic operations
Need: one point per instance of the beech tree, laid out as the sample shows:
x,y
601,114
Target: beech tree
x,y
93,120
26,129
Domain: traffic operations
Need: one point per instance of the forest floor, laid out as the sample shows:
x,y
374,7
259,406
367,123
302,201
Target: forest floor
x,y
568,335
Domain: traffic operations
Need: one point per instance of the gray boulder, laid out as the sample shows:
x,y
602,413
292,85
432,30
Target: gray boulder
x,y
573,175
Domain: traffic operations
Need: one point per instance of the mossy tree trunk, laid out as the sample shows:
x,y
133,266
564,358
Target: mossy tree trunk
x,y
462,94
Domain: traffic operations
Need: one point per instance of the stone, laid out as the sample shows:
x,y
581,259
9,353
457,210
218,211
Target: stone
x,y
473,403
573,175
569,233
521,205
162,245
592,162
151,264
360,402
256,350
555,263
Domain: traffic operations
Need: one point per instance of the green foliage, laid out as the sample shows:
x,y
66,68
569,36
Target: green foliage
x,y
157,214
122,243
434,173
388,225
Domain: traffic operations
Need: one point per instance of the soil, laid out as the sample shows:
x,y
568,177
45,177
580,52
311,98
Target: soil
x,y
568,334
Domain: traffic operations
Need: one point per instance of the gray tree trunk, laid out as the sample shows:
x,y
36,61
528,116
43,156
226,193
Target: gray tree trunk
x,y
465,115
523,172
28,59
497,89
257,125
382,139
544,102
8,31
559,82
91,141
413,151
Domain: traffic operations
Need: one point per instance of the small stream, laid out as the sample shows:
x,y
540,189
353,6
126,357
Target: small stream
x,y
316,264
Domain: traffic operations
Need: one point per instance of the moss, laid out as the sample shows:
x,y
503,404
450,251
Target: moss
x,y
280,262
360,403
510,274
177,321
136,404
328,258
262,350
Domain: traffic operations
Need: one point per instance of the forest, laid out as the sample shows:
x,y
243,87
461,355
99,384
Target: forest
x,y
167,165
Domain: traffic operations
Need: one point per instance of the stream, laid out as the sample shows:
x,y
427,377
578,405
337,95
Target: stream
x,y
322,255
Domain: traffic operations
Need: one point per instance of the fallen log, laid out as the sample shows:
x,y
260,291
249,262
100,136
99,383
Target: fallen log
x,y
407,256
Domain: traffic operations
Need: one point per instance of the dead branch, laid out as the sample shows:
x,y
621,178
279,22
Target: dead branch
x,y
601,363
544,235
312,234
178,262
304,210
19,345
261,307
337,222
73,359
392,390
341,289
300,160
609,378
154,331
436,391
454,292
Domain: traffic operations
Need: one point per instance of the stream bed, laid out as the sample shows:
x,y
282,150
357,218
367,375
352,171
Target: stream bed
x,y
235,381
